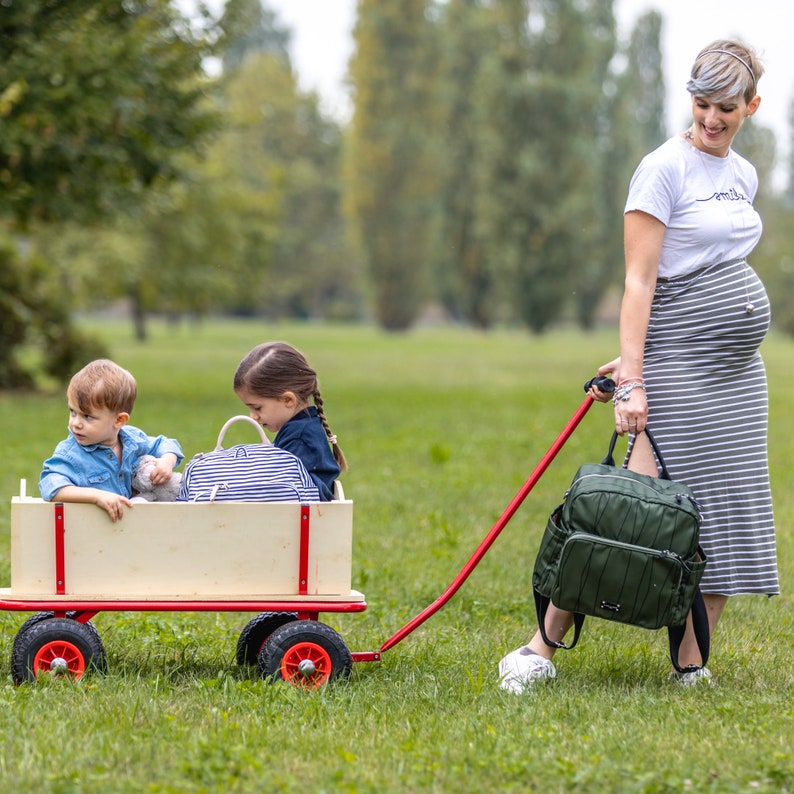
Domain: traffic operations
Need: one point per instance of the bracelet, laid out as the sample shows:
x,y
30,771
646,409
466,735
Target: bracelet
x,y
623,392
624,381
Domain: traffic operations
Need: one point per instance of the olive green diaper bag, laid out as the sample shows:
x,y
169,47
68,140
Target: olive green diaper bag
x,y
625,547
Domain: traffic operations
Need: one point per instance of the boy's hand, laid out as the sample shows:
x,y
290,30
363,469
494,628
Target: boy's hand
x,y
113,504
163,467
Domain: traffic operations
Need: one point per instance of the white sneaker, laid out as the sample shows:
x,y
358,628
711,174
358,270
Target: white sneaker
x,y
522,667
701,676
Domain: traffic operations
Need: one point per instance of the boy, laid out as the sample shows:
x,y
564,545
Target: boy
x,y
95,463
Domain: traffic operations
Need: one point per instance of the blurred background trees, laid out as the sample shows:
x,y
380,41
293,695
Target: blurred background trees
x,y
171,165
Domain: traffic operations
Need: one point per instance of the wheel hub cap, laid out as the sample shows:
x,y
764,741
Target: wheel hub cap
x,y
307,668
59,666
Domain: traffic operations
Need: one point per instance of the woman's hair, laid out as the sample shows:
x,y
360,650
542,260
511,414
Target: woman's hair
x,y
724,70
102,384
273,368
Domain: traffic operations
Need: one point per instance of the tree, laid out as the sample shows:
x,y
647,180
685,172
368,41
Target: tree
x,y
773,259
538,185
467,277
33,312
391,169
629,126
247,26
278,149
254,227
98,99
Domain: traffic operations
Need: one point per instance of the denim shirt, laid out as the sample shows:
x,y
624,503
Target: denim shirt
x,y
97,466
304,436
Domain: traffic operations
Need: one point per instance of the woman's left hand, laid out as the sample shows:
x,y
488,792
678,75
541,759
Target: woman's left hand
x,y
631,415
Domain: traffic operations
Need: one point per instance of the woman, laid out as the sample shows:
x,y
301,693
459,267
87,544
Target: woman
x,y
692,318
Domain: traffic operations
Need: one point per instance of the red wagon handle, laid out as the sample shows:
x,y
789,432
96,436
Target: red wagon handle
x,y
605,385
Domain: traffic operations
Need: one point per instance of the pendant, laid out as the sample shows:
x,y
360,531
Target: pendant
x,y
749,308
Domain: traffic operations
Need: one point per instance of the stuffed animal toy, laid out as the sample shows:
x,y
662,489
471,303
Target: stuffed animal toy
x,y
144,491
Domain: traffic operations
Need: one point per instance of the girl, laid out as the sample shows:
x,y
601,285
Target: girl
x,y
276,383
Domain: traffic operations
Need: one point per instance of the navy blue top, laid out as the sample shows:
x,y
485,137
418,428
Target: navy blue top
x,y
304,436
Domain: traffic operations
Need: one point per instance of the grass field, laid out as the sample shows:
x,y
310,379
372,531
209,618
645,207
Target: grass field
x,y
441,428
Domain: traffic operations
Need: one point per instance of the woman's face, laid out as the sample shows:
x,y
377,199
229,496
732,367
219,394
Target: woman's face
x,y
716,123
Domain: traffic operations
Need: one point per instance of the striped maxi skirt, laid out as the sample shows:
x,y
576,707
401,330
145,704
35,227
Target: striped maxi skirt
x,y
708,410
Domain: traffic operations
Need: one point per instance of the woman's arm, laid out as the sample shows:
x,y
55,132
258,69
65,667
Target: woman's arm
x,y
643,236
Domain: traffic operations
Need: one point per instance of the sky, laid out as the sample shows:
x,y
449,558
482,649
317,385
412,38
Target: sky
x,y
322,44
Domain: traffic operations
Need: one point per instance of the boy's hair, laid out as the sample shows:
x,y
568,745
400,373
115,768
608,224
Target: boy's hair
x,y
273,368
102,384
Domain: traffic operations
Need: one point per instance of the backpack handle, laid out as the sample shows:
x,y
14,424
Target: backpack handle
x,y
240,418
609,460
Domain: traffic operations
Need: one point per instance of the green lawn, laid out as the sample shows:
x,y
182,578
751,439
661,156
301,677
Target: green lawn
x,y
441,428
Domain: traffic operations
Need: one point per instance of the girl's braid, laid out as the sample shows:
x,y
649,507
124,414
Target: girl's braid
x,y
339,456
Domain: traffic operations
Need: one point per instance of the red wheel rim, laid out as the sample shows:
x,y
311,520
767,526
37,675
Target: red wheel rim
x,y
293,665
59,657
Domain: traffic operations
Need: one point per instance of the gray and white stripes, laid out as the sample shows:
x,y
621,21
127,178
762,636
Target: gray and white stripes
x,y
708,410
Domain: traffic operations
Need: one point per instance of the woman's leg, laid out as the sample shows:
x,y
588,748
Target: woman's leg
x,y
558,623
642,459
524,666
689,653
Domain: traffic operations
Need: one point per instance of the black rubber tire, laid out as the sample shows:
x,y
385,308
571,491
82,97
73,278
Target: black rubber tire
x,y
51,641
305,641
256,631
100,664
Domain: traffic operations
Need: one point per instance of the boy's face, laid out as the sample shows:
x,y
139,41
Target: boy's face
x,y
101,426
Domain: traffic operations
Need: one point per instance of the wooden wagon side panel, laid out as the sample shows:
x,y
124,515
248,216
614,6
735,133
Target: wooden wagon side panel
x,y
181,550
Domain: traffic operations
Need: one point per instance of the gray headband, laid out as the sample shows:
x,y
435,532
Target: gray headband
x,y
733,55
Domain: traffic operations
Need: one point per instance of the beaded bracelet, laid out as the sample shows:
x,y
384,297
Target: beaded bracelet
x,y
623,392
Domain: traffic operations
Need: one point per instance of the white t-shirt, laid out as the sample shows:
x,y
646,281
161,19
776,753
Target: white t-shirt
x,y
706,203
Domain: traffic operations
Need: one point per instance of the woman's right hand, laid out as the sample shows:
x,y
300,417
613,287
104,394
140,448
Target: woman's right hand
x,y
610,370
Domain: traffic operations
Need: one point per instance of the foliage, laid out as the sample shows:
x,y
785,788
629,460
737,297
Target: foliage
x,y
34,315
280,151
484,169
230,235
392,175
628,127
570,53
541,116
467,278
431,471
98,99
248,26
